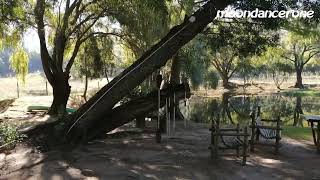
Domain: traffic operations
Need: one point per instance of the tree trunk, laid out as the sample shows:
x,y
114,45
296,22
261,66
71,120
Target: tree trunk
x,y
61,92
225,104
175,80
299,79
95,110
120,115
136,108
85,87
225,81
297,112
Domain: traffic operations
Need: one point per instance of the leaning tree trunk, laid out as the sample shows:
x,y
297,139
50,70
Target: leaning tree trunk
x,y
139,107
95,110
136,108
299,78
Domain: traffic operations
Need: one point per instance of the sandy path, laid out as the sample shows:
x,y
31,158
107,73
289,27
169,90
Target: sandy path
x,y
137,156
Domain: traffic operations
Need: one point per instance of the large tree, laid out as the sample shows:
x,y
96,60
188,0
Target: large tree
x,y
300,49
231,42
63,26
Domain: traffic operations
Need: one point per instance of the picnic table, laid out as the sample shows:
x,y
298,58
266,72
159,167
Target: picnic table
x,y
314,121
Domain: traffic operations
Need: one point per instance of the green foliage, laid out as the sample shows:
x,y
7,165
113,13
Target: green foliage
x,y
9,135
194,57
19,63
13,21
231,44
274,61
145,22
212,79
275,64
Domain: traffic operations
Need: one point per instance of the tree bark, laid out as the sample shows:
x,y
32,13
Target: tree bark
x,y
86,79
225,81
299,83
297,111
85,87
61,92
96,109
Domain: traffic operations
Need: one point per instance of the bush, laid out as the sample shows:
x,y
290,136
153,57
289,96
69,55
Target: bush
x,y
212,79
9,136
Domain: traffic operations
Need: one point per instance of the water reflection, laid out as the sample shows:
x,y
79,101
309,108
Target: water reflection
x,y
236,109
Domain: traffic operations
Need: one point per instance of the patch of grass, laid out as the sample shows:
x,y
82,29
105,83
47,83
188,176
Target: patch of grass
x,y
298,133
302,92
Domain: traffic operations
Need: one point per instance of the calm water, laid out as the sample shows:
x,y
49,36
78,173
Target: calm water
x,y
236,109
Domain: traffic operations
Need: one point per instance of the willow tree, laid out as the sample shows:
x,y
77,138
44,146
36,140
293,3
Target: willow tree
x,y
14,19
69,24
19,63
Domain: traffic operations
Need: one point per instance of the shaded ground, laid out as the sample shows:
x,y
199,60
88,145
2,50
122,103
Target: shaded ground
x,y
135,155
17,111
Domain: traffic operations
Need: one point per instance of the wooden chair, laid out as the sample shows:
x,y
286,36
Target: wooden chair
x,y
229,139
258,129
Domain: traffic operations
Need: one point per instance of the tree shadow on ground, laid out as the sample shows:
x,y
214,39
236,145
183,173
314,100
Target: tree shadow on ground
x,y
182,156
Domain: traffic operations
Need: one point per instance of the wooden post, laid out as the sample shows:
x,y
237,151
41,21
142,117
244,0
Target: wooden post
x,y
18,91
238,147
259,111
277,135
158,131
212,130
245,145
318,138
47,88
256,130
216,139
253,132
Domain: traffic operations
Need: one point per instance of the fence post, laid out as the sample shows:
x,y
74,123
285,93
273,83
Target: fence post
x,y
18,88
278,135
253,128
47,88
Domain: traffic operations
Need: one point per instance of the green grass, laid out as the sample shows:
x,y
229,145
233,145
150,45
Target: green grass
x,y
298,133
302,92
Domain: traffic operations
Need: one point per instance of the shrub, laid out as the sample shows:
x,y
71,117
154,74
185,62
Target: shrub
x,y
9,136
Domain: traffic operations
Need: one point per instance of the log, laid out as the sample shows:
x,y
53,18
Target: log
x,y
94,111
123,114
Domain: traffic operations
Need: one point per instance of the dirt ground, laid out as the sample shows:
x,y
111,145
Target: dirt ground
x,y
136,155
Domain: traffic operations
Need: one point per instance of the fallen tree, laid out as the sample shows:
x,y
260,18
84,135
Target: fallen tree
x,y
94,112
120,115
139,107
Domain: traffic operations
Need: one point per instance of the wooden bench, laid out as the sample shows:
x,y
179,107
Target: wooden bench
x,y
228,139
268,132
